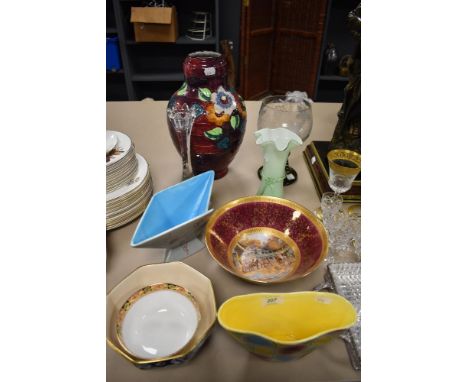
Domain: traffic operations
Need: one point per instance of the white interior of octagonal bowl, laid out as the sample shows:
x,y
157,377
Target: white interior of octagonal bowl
x,y
176,273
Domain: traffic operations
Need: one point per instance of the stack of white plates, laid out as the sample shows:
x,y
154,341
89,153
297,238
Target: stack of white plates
x,y
121,163
130,188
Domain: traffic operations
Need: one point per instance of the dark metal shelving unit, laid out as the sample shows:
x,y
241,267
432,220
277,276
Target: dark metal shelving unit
x,y
116,87
155,69
158,77
182,40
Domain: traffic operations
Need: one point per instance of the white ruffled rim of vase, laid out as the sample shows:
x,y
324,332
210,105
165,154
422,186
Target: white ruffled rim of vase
x,y
280,136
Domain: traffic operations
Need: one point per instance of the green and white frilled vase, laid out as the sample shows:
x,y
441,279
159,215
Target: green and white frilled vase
x,y
276,145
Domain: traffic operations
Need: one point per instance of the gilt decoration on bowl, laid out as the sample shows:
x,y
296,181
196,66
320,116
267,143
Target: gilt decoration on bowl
x,y
264,239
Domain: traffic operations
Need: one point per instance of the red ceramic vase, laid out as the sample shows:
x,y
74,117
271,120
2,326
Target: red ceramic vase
x,y
221,116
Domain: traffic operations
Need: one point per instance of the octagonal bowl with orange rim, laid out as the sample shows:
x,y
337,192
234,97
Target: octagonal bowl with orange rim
x,y
143,281
265,239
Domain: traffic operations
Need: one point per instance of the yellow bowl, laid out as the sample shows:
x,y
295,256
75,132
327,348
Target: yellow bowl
x,y
174,273
285,326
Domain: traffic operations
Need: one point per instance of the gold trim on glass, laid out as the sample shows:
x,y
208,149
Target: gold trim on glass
x,y
317,184
267,199
348,155
322,166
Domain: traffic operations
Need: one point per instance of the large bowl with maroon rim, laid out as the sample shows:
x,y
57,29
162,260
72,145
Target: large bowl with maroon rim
x,y
264,239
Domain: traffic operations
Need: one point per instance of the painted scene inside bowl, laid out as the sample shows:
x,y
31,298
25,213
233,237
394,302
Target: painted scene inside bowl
x,y
263,254
284,326
264,240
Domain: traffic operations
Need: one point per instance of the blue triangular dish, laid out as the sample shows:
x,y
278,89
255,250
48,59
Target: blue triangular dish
x,y
174,214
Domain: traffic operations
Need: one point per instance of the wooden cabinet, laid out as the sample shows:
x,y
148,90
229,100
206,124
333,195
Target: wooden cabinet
x,y
280,45
257,37
298,38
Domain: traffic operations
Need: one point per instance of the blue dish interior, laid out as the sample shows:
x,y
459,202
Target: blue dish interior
x,y
175,205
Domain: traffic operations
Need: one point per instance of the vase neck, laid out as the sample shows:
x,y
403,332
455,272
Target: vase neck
x,y
205,69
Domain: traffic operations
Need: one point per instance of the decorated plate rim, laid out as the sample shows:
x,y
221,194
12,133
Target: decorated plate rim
x,y
145,291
